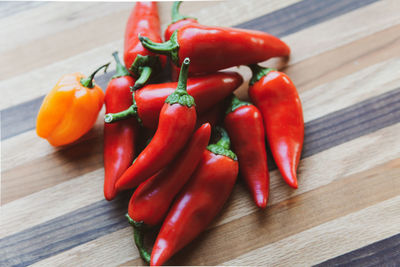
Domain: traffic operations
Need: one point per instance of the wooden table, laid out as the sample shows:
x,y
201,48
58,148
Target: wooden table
x,y
346,64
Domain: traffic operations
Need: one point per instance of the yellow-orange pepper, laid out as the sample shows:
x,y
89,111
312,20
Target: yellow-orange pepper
x,y
70,109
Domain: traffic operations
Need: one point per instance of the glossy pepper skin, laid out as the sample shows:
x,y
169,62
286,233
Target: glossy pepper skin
x,y
276,96
150,99
120,137
178,21
245,127
176,124
218,48
70,109
152,199
144,20
199,202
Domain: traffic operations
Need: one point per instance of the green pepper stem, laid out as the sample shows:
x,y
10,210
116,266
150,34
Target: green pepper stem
x,y
224,140
175,15
125,114
120,70
183,75
222,147
180,95
138,236
145,74
235,104
169,48
88,82
258,72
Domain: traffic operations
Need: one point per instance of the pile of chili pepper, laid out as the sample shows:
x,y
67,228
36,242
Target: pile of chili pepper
x,y
200,135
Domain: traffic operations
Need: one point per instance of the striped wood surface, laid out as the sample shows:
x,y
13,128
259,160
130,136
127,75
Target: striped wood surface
x,y
346,64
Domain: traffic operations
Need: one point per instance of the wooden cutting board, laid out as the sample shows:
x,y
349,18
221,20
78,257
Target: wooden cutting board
x,y
346,64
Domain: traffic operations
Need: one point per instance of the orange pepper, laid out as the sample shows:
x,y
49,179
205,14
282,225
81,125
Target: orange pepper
x,y
70,109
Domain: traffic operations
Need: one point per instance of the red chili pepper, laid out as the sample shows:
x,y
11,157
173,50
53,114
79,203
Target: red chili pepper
x,y
199,202
152,199
142,63
215,48
276,96
149,100
120,137
176,124
244,124
178,21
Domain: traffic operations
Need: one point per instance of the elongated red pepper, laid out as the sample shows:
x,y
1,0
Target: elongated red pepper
x,y
152,199
276,96
244,124
149,100
119,138
215,48
199,202
176,124
142,63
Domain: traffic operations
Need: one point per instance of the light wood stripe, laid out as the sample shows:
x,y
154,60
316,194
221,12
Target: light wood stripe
x,y
330,239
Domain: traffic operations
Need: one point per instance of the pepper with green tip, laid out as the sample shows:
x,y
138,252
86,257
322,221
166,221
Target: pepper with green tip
x,y
244,124
216,48
120,138
276,97
143,64
199,202
176,124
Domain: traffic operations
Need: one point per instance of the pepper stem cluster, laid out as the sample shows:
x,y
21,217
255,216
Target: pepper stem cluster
x,y
125,114
180,95
143,67
169,48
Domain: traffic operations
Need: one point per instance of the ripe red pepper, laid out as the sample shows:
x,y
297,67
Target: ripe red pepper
x,y
152,199
142,63
215,48
199,202
244,124
149,100
119,138
176,124
276,96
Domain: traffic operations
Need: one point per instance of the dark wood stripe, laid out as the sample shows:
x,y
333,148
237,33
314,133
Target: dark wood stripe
x,y
382,253
302,15
21,118
101,218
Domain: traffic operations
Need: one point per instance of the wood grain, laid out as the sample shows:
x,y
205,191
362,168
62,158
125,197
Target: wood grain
x,y
345,61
